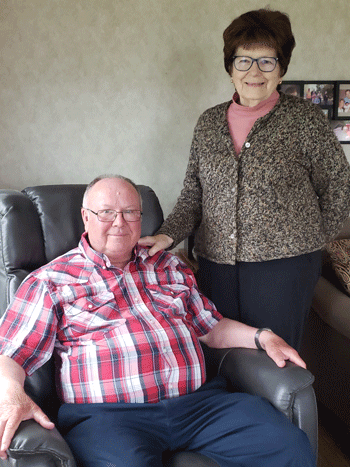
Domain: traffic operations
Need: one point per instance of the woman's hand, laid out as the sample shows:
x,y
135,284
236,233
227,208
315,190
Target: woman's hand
x,y
156,242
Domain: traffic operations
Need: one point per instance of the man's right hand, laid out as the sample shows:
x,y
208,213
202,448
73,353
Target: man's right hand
x,y
156,242
16,406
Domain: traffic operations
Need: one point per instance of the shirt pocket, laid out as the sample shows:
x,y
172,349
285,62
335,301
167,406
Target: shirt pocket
x,y
170,298
84,314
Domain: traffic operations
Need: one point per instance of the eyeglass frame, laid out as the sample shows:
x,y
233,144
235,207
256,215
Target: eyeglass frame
x,y
254,60
116,213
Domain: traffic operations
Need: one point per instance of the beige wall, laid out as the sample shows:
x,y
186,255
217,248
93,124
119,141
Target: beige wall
x,y
96,86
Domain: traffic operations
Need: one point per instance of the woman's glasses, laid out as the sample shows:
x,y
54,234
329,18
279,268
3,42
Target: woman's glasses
x,y
265,64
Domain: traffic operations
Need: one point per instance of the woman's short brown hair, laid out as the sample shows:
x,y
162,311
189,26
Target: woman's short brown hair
x,y
268,27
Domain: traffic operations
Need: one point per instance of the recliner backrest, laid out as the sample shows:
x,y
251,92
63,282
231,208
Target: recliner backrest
x,y
37,225
43,222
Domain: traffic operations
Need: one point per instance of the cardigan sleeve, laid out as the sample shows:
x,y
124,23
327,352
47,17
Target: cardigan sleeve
x,y
187,212
330,174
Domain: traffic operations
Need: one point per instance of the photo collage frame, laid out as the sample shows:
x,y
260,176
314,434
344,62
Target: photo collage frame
x,y
332,96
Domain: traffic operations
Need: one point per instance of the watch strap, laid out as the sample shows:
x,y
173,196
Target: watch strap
x,y
257,336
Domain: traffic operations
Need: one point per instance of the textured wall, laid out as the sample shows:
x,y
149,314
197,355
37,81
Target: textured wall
x,y
101,86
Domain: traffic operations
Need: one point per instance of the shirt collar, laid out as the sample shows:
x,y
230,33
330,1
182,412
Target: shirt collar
x,y
101,260
267,103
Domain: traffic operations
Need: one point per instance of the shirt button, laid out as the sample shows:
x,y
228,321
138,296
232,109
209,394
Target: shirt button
x,y
90,306
247,145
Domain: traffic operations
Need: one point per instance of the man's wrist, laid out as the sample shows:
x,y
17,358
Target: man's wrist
x,y
257,337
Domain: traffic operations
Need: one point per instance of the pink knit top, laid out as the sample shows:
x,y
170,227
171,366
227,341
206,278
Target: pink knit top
x,y
241,119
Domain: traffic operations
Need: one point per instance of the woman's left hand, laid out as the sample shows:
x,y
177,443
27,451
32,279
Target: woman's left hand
x,y
156,243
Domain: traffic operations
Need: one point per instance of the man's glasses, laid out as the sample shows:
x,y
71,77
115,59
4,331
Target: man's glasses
x,y
265,64
109,215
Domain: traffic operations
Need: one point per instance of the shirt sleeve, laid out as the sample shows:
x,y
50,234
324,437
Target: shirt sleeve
x,y
28,327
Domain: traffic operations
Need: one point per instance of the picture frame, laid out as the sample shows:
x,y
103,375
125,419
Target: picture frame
x,y
328,113
328,95
321,93
294,88
341,130
342,101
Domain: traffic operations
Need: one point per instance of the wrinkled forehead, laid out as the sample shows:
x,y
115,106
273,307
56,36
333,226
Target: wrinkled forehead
x,y
113,193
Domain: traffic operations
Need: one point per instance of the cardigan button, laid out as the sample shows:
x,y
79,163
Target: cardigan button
x,y
247,145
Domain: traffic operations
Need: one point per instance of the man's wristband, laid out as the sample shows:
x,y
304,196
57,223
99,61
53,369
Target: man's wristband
x,y
257,335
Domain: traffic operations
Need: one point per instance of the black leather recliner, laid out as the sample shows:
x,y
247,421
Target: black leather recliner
x,y
40,223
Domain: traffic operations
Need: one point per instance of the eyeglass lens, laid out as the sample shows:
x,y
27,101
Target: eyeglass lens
x,y
266,64
109,215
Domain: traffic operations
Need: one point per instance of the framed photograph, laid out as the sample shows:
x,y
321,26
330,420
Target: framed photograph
x,y
321,93
328,113
294,88
342,107
341,130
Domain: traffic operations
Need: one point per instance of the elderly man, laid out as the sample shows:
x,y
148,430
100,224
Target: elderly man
x,y
126,330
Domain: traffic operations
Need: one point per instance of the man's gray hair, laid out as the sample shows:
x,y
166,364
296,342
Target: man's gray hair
x,y
103,177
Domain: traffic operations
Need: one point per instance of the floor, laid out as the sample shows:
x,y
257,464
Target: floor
x,y
334,442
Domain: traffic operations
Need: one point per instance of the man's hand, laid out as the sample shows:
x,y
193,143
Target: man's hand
x,y
277,349
157,243
229,333
15,407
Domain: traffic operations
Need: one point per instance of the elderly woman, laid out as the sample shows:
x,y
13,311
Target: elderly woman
x,y
267,185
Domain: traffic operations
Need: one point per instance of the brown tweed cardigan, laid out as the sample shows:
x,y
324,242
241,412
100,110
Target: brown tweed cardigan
x,y
286,194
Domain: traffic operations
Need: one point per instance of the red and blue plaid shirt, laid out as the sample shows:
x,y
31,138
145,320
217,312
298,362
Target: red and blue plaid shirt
x,y
121,335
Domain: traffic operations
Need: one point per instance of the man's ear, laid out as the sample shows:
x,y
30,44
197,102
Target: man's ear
x,y
85,216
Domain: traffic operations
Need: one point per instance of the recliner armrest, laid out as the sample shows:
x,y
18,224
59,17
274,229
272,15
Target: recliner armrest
x,y
36,446
289,389
253,371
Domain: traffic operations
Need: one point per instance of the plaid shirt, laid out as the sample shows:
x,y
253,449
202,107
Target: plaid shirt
x,y
128,336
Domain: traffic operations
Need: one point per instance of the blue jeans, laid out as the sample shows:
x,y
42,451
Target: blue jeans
x,y
234,429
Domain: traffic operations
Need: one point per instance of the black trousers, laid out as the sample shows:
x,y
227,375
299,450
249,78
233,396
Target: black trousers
x,y
276,294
